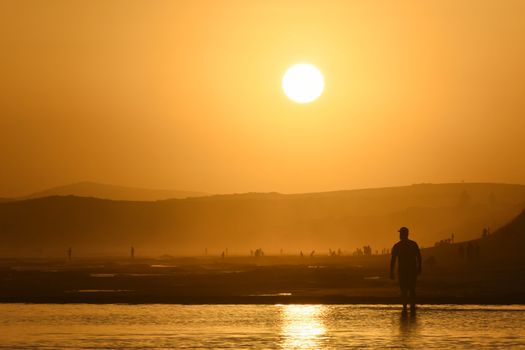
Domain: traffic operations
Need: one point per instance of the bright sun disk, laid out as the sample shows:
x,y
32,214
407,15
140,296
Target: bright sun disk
x,y
303,83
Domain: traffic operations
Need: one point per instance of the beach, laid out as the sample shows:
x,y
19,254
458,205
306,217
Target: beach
x,y
249,280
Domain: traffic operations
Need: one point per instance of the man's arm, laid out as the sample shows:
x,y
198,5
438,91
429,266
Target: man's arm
x,y
418,258
393,262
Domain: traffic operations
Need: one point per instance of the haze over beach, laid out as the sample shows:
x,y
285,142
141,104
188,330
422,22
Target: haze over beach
x,y
279,223
262,174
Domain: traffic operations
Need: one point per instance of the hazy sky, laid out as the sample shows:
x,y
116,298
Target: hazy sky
x,y
186,94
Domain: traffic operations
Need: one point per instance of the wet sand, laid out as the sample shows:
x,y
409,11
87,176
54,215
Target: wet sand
x,y
246,280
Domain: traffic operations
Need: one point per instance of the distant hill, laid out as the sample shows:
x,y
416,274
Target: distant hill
x,y
507,244
271,221
508,241
104,191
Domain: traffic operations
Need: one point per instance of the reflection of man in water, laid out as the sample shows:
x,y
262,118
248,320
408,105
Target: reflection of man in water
x,y
409,267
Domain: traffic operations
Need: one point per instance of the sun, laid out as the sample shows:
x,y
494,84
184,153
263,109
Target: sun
x,y
303,83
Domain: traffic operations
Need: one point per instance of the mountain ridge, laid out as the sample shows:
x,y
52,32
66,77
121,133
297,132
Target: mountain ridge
x,y
271,221
112,192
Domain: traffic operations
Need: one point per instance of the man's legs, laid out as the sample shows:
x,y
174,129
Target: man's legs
x,y
412,297
404,295
407,283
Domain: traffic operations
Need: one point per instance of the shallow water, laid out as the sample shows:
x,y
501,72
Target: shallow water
x,y
82,326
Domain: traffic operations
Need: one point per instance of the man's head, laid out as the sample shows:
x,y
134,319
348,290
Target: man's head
x,y
403,233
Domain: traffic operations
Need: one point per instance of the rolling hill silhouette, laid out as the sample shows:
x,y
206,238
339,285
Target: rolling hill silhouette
x,y
508,242
240,222
104,191
505,245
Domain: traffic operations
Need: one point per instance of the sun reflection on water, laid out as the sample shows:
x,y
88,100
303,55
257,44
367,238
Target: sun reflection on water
x,y
302,326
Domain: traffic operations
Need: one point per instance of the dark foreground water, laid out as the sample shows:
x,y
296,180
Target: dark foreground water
x,y
84,326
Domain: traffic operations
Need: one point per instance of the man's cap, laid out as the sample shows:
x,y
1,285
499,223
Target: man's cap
x,y
403,229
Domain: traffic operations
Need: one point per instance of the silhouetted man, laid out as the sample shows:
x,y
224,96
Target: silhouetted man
x,y
409,267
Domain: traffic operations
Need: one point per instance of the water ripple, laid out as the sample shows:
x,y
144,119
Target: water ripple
x,y
82,326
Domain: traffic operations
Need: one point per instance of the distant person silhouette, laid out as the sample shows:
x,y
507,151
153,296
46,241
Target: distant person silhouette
x,y
409,267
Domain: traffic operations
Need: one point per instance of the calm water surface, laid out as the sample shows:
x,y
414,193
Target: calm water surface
x,y
84,326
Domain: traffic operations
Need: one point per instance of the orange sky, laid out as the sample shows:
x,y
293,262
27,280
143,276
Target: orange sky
x,y
186,94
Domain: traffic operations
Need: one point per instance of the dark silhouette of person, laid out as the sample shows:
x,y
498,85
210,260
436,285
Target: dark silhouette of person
x,y
408,255
470,251
69,252
461,251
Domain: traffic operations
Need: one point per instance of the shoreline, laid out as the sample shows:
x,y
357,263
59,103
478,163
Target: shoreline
x,y
106,298
361,281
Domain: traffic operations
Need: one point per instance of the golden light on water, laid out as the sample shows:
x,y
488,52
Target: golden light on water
x,y
303,326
